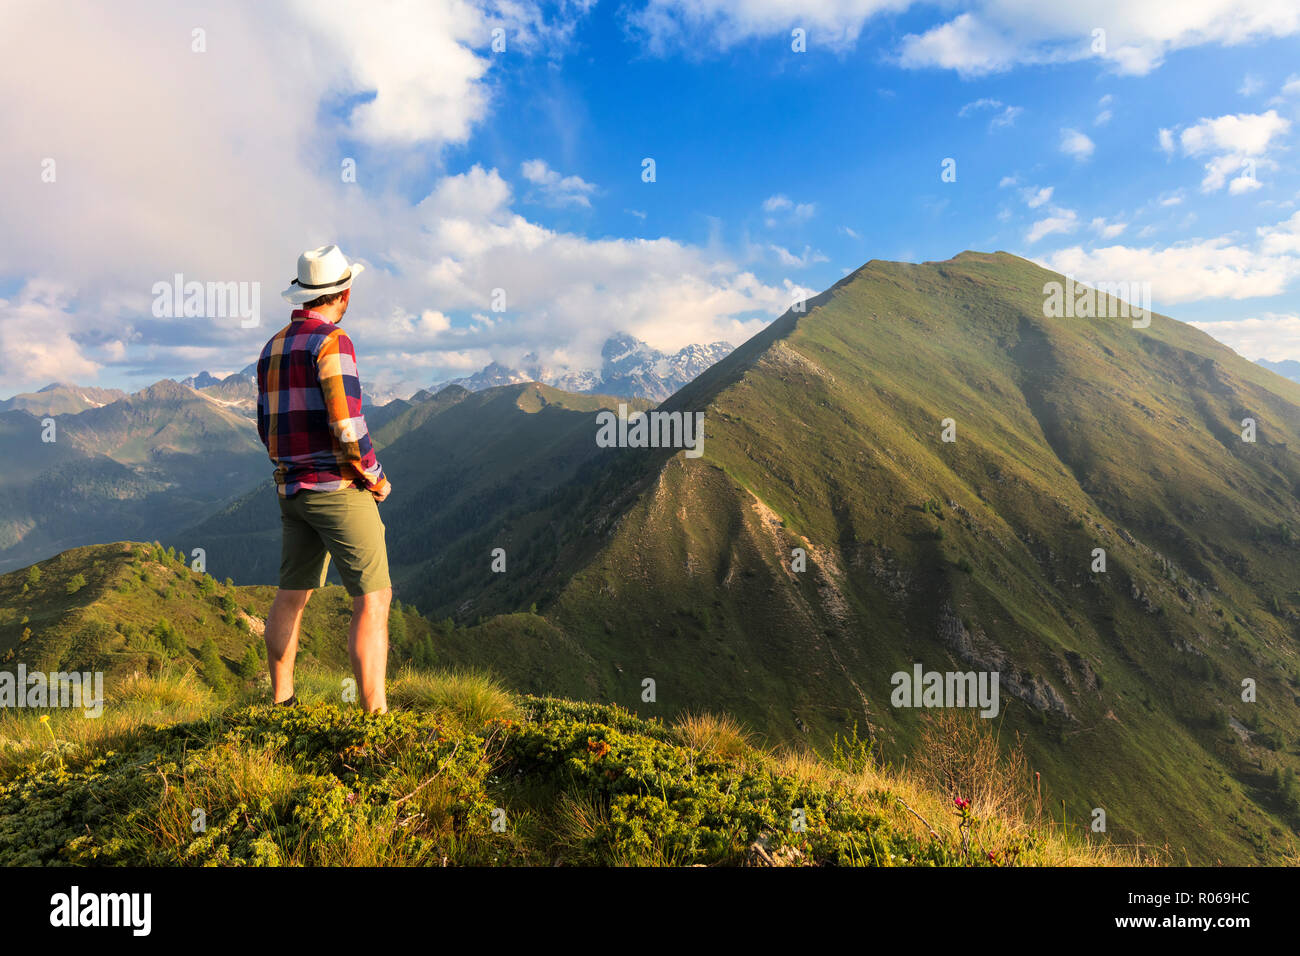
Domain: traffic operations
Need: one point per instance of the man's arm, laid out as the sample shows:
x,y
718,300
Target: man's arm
x,y
336,367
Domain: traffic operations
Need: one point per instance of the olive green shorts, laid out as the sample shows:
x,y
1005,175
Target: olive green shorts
x,y
344,525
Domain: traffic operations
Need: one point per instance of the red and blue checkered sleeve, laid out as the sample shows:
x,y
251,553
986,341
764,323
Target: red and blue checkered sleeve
x,y
336,368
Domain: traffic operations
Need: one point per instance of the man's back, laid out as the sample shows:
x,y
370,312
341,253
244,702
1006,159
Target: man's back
x,y
309,412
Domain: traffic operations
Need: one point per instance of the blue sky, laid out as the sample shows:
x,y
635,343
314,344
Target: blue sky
x,y
1166,154
862,140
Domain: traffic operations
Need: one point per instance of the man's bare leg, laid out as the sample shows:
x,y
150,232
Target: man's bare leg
x,y
368,647
282,640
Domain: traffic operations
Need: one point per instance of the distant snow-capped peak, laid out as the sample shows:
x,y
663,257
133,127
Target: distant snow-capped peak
x,y
629,367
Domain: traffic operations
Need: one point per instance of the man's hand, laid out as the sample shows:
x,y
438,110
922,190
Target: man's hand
x,y
381,495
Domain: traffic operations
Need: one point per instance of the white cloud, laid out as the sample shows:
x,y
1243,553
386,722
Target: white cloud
x,y
790,260
1235,143
965,44
557,190
432,323
983,103
474,194
986,37
1243,184
563,289
171,161
1104,116
1003,115
1247,134
1185,272
417,56
1076,144
1251,84
685,24
783,210
1035,197
1107,229
36,337
1006,118
1281,239
996,35
1273,335
794,292
1060,220
151,139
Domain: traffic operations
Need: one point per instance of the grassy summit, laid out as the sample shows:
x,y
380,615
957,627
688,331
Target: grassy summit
x,y
579,783
464,773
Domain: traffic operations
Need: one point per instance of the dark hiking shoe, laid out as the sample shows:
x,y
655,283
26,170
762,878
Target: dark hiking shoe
x,y
291,702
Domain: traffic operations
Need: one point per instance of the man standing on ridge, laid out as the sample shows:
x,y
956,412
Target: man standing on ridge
x,y
310,420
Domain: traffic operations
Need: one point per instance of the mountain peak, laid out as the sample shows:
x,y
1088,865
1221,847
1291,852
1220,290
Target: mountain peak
x,y
629,367
202,380
1287,368
619,345
62,398
165,388
206,379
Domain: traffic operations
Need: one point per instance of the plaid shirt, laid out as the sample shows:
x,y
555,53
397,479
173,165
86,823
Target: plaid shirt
x,y
309,409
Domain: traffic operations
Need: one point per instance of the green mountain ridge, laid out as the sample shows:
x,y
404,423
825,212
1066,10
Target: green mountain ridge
x,y
133,467
823,432
61,398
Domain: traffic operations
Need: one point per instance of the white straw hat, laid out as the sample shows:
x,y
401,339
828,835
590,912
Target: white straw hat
x,y
322,271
